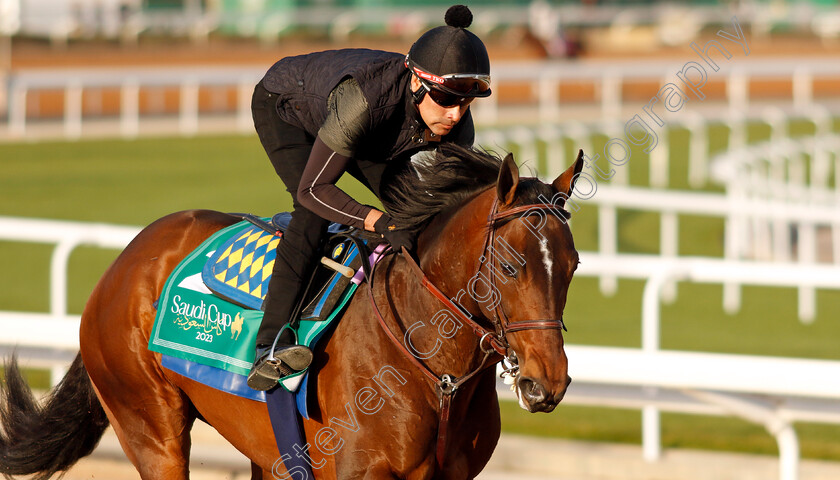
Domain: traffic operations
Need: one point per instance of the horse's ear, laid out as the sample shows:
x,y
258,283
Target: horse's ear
x,y
508,180
565,183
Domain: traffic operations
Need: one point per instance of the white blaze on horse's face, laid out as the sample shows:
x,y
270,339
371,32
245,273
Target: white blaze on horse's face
x,y
546,257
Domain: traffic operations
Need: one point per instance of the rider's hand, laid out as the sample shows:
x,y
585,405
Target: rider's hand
x,y
398,238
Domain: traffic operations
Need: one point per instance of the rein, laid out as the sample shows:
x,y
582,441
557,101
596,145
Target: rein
x,y
496,339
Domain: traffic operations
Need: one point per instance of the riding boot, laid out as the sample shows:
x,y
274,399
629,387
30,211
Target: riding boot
x,y
272,364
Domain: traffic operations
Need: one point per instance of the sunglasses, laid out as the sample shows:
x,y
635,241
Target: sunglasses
x,y
444,99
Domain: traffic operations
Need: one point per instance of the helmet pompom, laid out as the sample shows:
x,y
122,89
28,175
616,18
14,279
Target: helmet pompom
x,y
458,16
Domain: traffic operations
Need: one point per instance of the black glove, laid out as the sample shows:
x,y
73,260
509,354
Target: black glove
x,y
397,238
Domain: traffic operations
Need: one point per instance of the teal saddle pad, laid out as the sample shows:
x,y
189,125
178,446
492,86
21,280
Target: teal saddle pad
x,y
209,312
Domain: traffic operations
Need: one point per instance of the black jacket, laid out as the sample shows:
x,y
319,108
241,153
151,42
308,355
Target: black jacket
x,y
303,83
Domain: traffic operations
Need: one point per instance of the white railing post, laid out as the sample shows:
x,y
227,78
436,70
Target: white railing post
x,y
58,276
698,151
737,132
731,290
737,89
611,83
659,162
733,232
651,431
17,108
244,121
651,425
555,151
614,129
549,99
188,118
788,443
821,154
73,110
669,248
581,138
526,142
807,253
130,108
608,245
803,89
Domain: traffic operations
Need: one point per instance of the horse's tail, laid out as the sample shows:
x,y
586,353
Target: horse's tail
x,y
44,439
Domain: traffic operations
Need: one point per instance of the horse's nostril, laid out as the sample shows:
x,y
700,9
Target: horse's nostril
x,y
533,391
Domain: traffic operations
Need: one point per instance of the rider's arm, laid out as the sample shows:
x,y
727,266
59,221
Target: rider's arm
x,y
317,190
347,120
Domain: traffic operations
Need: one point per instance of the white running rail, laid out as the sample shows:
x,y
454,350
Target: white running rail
x,y
767,390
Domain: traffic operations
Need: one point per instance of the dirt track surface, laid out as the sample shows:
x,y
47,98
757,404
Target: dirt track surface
x,y
516,458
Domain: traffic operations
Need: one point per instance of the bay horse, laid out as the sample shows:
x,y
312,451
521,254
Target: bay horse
x,y
386,405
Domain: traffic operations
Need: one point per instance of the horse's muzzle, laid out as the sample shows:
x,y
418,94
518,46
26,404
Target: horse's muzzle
x,y
534,396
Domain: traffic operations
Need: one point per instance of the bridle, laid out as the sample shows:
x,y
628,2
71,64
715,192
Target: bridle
x,y
501,321
495,339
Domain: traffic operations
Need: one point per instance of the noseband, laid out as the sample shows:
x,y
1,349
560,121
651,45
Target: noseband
x,y
495,339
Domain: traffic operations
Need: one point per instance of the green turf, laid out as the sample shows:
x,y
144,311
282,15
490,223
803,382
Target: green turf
x,y
136,182
678,430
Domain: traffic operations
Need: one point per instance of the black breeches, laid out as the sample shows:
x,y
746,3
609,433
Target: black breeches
x,y
288,149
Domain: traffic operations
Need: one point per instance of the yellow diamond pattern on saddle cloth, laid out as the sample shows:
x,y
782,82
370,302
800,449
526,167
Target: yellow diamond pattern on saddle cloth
x,y
247,262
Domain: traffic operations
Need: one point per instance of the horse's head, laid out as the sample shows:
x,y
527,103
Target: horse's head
x,y
530,264
507,251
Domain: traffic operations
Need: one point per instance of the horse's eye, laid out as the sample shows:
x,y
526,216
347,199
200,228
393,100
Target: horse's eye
x,y
508,269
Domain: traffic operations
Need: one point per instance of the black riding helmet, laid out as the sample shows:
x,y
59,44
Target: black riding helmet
x,y
450,58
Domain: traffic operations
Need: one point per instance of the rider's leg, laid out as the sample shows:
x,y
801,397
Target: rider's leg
x,y
292,265
288,148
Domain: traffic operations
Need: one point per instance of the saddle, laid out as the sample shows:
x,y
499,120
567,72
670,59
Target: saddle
x,y
239,271
209,310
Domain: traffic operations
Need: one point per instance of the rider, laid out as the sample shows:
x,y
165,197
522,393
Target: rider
x,y
359,111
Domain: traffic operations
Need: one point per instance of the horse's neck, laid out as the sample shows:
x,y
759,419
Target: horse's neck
x,y
451,247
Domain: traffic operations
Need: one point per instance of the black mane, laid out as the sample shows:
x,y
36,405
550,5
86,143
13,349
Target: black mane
x,y
445,178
